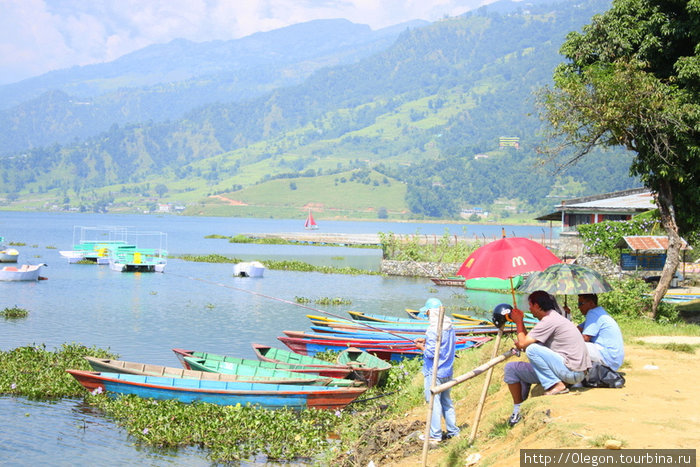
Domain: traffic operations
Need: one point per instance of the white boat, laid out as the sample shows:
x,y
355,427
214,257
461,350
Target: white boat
x,y
310,223
26,272
7,255
249,269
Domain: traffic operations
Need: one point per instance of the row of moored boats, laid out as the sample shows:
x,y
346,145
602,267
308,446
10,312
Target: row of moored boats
x,y
366,344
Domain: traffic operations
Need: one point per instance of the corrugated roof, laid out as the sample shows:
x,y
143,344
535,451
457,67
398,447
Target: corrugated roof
x,y
648,243
620,202
637,201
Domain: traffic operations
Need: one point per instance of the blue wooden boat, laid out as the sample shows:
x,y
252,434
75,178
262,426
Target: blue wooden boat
x,y
417,327
270,396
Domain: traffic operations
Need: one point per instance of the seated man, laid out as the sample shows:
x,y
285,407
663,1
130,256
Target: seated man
x,y
601,333
555,348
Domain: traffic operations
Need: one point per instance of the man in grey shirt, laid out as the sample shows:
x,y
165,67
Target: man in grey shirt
x,y
555,348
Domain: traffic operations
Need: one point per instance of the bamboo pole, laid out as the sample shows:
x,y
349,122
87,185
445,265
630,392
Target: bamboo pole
x,y
433,379
485,389
475,372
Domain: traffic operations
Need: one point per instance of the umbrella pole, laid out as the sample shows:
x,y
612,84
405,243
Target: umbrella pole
x,y
487,382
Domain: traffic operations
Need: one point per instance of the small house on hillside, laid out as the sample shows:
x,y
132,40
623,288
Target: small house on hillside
x,y
616,206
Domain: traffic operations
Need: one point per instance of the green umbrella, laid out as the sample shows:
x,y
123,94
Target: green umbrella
x,y
566,279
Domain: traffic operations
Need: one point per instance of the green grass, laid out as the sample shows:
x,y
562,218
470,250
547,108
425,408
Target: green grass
x,y
639,327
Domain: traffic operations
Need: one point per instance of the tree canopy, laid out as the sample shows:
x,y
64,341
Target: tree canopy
x,y
632,79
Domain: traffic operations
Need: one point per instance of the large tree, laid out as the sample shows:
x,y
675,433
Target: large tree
x,y
632,79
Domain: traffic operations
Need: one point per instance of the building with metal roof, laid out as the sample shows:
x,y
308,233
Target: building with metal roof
x,y
615,206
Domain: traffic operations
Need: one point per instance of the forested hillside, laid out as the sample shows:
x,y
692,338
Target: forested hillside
x,y
162,82
426,114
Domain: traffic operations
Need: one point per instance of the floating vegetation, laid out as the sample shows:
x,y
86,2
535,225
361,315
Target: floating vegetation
x,y
14,312
337,258
50,247
327,356
17,244
332,301
306,267
228,433
302,299
217,236
213,258
85,261
37,373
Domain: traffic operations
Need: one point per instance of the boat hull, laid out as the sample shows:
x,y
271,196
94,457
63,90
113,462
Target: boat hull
x,y
25,272
269,377
269,396
365,367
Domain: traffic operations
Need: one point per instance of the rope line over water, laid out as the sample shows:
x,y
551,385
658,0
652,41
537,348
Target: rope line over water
x,y
301,305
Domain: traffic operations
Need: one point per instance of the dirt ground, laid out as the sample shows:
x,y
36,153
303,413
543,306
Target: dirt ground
x,y
657,408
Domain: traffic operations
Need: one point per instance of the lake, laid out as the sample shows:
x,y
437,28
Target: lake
x,y
141,316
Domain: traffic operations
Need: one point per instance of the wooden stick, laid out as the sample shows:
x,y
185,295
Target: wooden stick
x,y
485,390
433,379
475,372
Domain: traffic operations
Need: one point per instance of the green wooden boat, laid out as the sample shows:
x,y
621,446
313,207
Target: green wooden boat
x,y
365,366
368,368
203,361
263,375
241,370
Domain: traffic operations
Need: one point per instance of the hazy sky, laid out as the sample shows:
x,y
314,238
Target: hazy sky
x,y
37,36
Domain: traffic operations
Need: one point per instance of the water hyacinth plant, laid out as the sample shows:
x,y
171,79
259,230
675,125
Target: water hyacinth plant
x,y
37,373
14,312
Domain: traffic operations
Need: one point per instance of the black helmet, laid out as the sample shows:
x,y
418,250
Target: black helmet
x,y
501,314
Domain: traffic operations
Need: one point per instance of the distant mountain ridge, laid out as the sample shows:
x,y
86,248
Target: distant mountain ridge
x,y
424,115
164,81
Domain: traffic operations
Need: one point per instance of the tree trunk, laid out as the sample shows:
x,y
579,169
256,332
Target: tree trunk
x,y
664,200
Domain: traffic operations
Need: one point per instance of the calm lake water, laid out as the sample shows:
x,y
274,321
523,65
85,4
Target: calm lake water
x,y
194,305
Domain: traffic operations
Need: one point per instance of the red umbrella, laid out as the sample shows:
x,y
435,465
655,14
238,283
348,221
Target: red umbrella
x,y
507,258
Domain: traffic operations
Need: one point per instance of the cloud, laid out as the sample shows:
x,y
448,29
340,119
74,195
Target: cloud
x,y
37,36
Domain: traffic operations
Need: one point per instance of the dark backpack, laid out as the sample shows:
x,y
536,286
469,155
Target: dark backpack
x,y
601,376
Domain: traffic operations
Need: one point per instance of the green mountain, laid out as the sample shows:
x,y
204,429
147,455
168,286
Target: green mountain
x,y
427,127
162,82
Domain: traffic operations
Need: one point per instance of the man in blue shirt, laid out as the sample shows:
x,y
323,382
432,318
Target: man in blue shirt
x,y
442,405
601,333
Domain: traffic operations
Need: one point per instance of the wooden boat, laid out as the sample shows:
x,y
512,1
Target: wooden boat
x,y
270,396
7,255
389,351
365,367
370,369
26,272
462,329
249,269
368,338
378,318
452,281
231,368
310,223
333,371
248,375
